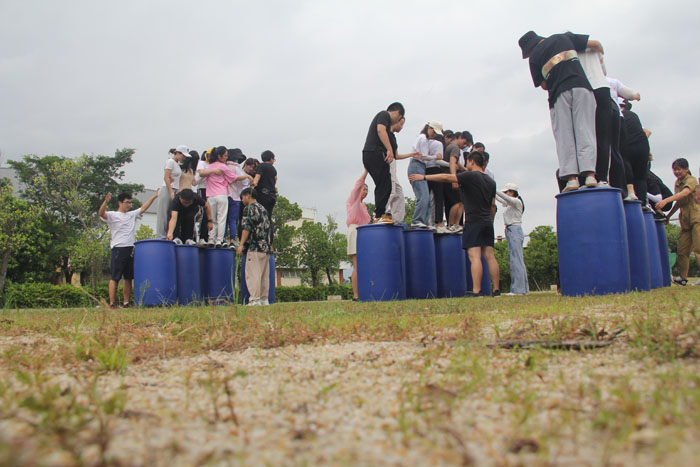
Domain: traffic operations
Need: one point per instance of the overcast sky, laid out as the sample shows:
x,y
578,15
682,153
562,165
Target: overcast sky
x,y
305,78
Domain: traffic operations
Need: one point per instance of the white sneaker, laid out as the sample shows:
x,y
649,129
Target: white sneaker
x,y
630,197
591,182
455,228
571,185
202,242
217,244
265,302
603,184
224,244
418,225
254,303
443,230
177,241
190,242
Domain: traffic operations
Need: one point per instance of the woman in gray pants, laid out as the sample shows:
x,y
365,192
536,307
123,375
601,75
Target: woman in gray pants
x,y
512,217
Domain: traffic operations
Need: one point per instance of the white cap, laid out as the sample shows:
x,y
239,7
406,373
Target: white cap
x,y
510,187
184,150
435,125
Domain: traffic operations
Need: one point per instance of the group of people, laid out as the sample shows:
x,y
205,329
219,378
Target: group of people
x,y
213,188
448,174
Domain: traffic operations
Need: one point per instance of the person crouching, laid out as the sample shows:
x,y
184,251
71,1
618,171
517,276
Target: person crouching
x,y
256,242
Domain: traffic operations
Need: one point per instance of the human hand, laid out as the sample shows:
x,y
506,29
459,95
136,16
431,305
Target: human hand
x,y
239,250
172,195
169,236
108,197
659,206
389,157
210,225
415,177
416,155
218,171
455,186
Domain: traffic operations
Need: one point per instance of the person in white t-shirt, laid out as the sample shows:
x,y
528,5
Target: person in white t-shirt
x,y
170,186
122,227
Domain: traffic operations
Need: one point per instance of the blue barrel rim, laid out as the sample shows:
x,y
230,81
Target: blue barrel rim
x,y
631,201
589,190
159,240
380,225
188,246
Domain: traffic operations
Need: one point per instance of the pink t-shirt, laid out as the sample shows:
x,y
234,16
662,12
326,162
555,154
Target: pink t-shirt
x,y
357,211
218,184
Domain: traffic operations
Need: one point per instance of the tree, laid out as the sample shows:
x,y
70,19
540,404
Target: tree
x,y
16,220
69,192
500,250
144,232
89,252
321,248
541,258
286,252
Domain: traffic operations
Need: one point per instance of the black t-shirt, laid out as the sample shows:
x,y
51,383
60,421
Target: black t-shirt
x,y
634,132
187,211
267,173
373,143
478,191
564,76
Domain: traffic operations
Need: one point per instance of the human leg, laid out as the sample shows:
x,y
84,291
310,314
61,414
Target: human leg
x,y
421,215
518,272
494,269
232,218
163,213
126,292
639,160
685,242
219,207
602,132
438,196
474,255
113,292
584,125
617,165
253,274
379,171
203,229
265,278
563,130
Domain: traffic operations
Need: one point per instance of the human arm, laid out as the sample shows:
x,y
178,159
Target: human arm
x,y
685,192
444,178
493,209
415,155
453,171
168,179
102,212
595,45
148,202
506,200
206,172
383,133
655,198
356,192
171,225
255,181
244,238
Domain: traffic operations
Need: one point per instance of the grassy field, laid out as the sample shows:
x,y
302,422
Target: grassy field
x,y
536,380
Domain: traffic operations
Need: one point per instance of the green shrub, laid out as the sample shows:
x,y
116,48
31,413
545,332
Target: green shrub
x,y
301,293
42,295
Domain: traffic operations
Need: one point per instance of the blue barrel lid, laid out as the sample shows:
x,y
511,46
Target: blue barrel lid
x,y
159,240
374,226
188,246
632,201
583,190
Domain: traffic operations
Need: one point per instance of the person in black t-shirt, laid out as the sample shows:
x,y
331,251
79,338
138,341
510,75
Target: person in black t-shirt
x,y
265,181
634,147
185,207
377,154
479,194
555,67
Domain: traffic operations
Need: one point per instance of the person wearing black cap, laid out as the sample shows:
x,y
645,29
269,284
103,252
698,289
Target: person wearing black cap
x,y
555,67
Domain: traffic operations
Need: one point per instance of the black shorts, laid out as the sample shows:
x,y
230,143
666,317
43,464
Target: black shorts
x,y
122,263
475,235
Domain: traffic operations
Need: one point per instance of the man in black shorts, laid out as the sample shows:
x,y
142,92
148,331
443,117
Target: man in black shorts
x,y
479,194
122,227
185,207
377,154
453,197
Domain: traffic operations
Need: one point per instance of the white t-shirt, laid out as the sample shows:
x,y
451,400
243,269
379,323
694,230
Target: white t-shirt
x,y
200,182
434,148
175,173
122,226
239,184
592,65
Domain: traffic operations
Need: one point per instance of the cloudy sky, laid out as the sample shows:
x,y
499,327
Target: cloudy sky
x,y
305,78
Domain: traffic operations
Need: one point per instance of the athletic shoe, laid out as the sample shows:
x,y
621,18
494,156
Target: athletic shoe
x,y
496,293
418,225
603,184
455,228
265,302
631,197
217,244
471,294
443,230
571,185
224,244
384,220
126,305
113,306
202,242
254,303
591,182
190,242
512,294
680,281
177,241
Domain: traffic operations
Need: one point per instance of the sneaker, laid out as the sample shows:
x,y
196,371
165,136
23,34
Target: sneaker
x,y
202,242
177,241
443,230
190,242
418,225
680,281
265,302
217,244
455,228
591,182
571,185
224,244
126,305
603,184
471,294
631,197
211,243
384,220
496,293
113,306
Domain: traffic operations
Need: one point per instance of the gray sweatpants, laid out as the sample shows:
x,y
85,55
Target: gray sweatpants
x,y
573,124
518,273
163,212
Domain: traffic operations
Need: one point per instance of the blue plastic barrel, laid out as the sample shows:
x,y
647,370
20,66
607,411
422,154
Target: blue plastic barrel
x,y
219,275
451,265
421,272
485,277
657,280
245,295
640,273
663,252
155,278
381,271
592,240
189,284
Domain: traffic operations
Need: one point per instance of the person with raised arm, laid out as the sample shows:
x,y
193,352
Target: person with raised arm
x,y
357,215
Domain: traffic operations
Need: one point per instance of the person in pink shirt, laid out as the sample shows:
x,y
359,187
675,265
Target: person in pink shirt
x,y
357,216
218,175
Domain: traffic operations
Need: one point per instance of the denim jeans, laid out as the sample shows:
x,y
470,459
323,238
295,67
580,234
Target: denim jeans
x,y
232,219
518,272
420,189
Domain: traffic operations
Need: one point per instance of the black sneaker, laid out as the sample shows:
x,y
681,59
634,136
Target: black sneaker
x,y
471,294
680,281
496,293
113,306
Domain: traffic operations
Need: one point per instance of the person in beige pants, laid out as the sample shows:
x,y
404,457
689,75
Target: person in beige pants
x,y
256,241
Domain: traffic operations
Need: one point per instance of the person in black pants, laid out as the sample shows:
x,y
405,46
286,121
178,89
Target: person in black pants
x,y
635,150
265,182
377,154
